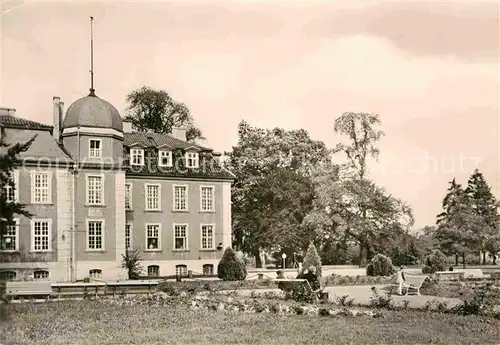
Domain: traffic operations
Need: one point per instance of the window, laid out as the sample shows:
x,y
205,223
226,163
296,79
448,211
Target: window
x,y
41,231
181,270
8,275
153,236
208,270
153,197
154,271
41,274
128,236
10,241
207,236
11,192
207,198
165,158
41,184
180,198
192,159
180,237
128,196
95,148
137,157
95,234
95,273
94,189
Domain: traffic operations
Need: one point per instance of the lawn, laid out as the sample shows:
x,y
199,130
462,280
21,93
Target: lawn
x,y
90,322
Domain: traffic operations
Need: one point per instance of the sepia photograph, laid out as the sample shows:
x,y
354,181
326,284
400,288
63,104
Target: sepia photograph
x,y
249,172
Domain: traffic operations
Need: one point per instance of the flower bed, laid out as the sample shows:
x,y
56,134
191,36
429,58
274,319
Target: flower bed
x,y
234,304
335,279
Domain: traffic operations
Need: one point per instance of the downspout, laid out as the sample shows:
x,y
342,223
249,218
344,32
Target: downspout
x,y
75,226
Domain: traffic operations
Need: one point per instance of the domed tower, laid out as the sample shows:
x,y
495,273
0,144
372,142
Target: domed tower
x,y
92,133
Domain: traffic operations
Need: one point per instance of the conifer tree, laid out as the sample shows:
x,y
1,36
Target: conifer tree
x,y
9,160
485,205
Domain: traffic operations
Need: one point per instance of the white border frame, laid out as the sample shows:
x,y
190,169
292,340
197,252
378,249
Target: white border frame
x,y
213,236
32,233
213,198
131,160
187,237
100,149
131,236
49,186
173,197
131,184
159,249
103,183
16,239
146,184
197,159
103,234
171,159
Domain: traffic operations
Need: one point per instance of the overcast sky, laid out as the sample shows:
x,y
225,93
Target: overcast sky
x,y
431,70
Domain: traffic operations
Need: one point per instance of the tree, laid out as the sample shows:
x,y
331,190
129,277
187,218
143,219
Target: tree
x,y
155,110
9,161
230,268
486,206
273,190
312,259
459,226
130,262
355,206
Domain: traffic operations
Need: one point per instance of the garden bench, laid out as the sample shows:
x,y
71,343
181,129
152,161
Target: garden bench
x,y
28,289
450,274
289,285
79,289
410,282
132,286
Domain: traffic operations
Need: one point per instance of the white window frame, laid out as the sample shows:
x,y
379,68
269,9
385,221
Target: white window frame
x,y
152,275
174,203
195,159
95,273
212,199
98,151
168,154
41,271
140,153
87,234
49,235
16,238
49,187
186,244
87,191
208,265
202,237
146,185
146,237
130,229
15,178
130,199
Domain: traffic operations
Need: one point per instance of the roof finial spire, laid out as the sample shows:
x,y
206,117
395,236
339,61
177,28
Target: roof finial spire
x,y
92,90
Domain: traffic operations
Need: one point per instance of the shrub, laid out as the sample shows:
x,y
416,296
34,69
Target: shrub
x,y
312,259
380,265
230,268
380,301
435,261
130,262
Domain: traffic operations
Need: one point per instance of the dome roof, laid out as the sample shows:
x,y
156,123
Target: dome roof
x,y
92,111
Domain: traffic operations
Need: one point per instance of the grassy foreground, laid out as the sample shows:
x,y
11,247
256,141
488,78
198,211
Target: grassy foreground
x,y
88,322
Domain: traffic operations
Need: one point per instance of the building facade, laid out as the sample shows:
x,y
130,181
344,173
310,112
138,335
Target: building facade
x,y
96,188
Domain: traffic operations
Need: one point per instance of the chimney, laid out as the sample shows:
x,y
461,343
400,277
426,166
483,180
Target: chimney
x,y
7,111
179,133
127,127
56,118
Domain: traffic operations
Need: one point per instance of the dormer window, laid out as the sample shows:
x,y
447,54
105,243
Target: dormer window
x,y
136,157
165,158
95,148
192,160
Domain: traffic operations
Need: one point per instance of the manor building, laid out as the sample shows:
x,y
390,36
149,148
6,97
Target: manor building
x,y
96,188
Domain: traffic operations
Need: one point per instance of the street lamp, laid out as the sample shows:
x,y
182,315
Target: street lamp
x,y
284,257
